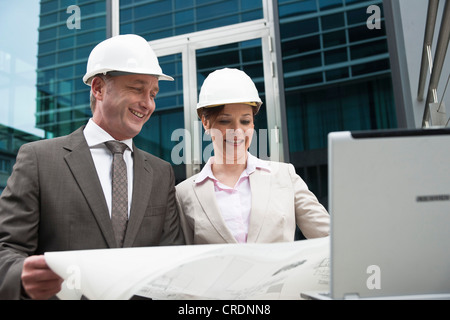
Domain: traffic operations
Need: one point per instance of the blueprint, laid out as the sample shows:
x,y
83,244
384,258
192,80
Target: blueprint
x,y
223,271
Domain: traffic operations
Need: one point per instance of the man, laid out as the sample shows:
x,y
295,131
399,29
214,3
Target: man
x,y
59,196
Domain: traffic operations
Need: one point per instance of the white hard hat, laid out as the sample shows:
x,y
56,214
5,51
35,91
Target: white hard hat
x,y
227,86
128,53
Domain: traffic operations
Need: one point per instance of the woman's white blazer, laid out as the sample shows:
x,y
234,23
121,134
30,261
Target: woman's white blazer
x,y
280,201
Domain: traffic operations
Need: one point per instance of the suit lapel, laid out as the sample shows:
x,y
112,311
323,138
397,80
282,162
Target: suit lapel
x,y
142,188
260,186
83,169
207,199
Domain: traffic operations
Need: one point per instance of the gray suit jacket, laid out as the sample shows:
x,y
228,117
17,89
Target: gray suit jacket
x,y
280,201
54,201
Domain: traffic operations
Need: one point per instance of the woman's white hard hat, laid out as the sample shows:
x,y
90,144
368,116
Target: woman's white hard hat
x,y
225,86
128,53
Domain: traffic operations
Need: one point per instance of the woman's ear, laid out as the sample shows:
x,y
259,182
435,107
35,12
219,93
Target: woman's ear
x,y
205,124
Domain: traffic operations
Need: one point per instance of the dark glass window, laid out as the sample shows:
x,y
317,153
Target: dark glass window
x,y
303,62
65,51
370,67
364,50
303,80
47,34
332,21
329,4
297,28
159,19
335,74
335,56
335,38
225,8
313,114
300,45
362,33
48,19
289,8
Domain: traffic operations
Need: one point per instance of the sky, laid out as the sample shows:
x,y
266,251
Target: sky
x,y
19,21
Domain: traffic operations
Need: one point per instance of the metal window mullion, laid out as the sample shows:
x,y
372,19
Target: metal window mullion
x,y
192,123
274,86
112,18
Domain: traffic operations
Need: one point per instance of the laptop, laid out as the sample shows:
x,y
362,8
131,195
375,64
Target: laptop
x,y
389,202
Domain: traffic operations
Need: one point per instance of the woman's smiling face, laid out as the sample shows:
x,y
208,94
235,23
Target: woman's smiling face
x,y
231,132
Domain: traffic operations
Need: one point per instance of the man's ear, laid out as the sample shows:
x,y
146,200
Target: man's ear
x,y
98,86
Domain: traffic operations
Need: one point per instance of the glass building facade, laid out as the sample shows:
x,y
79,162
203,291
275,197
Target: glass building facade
x,y
18,50
10,141
336,77
62,97
317,65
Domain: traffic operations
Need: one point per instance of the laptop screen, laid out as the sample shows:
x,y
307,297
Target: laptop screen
x,y
389,201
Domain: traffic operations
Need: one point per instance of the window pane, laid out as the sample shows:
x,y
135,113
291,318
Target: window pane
x,y
297,28
300,45
335,56
329,4
335,38
296,8
333,21
164,18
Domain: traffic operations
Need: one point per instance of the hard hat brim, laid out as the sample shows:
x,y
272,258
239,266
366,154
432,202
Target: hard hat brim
x,y
87,79
256,104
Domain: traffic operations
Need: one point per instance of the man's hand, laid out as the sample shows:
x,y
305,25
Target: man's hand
x,y
38,280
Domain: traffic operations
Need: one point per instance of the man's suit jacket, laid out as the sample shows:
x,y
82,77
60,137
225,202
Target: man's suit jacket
x,y
54,201
280,201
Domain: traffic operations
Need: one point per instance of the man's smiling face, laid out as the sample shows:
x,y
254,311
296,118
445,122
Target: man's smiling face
x,y
124,103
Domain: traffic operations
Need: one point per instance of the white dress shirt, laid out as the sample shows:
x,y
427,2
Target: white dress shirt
x,y
96,138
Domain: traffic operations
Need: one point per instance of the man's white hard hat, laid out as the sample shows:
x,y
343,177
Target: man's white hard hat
x,y
128,53
225,86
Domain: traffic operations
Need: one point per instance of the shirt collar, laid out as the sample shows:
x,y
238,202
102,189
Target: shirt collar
x,y
96,136
253,163
206,172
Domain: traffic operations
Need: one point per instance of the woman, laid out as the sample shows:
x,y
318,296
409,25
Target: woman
x,y
238,198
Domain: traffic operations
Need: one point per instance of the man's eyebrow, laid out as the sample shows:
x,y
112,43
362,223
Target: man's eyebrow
x,y
143,82
138,81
